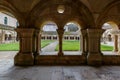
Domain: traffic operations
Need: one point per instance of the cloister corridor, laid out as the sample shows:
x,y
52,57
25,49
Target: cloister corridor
x,y
10,72
90,23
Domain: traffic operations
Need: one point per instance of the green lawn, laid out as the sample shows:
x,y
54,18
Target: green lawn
x,y
67,46
9,47
74,46
15,46
70,46
45,42
106,48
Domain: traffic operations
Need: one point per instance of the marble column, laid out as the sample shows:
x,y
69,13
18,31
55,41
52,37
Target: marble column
x,y
115,43
94,56
60,35
25,55
83,42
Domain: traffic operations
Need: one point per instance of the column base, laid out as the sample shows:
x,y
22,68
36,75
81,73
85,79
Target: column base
x,y
115,50
60,54
94,59
36,54
84,53
24,59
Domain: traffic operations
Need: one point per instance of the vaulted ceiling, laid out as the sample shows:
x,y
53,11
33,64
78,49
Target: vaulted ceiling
x,y
94,8
27,5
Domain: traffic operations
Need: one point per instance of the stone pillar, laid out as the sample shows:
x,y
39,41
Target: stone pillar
x,y
94,53
34,43
118,44
60,35
83,42
38,42
25,55
115,43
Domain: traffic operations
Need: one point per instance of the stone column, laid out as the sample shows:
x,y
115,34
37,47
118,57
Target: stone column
x,y
38,42
94,54
83,42
34,43
118,44
25,55
60,35
115,43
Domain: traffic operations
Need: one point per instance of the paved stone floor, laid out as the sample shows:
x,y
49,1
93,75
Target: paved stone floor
x,y
65,53
10,72
51,47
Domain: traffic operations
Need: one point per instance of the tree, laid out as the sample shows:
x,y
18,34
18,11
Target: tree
x,y
72,27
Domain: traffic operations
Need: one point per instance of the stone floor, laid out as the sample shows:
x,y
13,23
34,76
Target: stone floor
x,y
10,72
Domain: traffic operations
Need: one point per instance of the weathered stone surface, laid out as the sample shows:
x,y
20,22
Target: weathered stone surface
x,y
10,72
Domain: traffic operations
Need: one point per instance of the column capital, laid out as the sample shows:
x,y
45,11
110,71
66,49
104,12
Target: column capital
x,y
25,32
83,32
37,32
60,31
95,32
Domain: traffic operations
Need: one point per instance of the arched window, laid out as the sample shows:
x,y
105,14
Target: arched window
x,y
5,20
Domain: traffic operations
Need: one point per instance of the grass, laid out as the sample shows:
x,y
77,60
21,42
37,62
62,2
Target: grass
x,y
15,46
67,46
106,48
75,46
71,45
9,47
45,42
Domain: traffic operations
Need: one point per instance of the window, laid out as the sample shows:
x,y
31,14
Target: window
x,y
5,20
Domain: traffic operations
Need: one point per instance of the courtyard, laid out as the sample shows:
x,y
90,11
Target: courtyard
x,y
67,46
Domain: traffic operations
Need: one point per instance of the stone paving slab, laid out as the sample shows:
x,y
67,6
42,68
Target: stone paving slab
x,y
10,72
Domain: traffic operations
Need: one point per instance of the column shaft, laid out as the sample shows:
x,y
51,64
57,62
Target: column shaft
x,y
60,35
83,41
38,42
115,43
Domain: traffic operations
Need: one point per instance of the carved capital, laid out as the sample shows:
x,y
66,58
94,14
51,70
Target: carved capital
x,y
83,32
37,32
60,31
28,33
95,33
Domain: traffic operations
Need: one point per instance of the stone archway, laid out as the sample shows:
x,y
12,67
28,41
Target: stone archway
x,y
110,37
72,30
48,31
